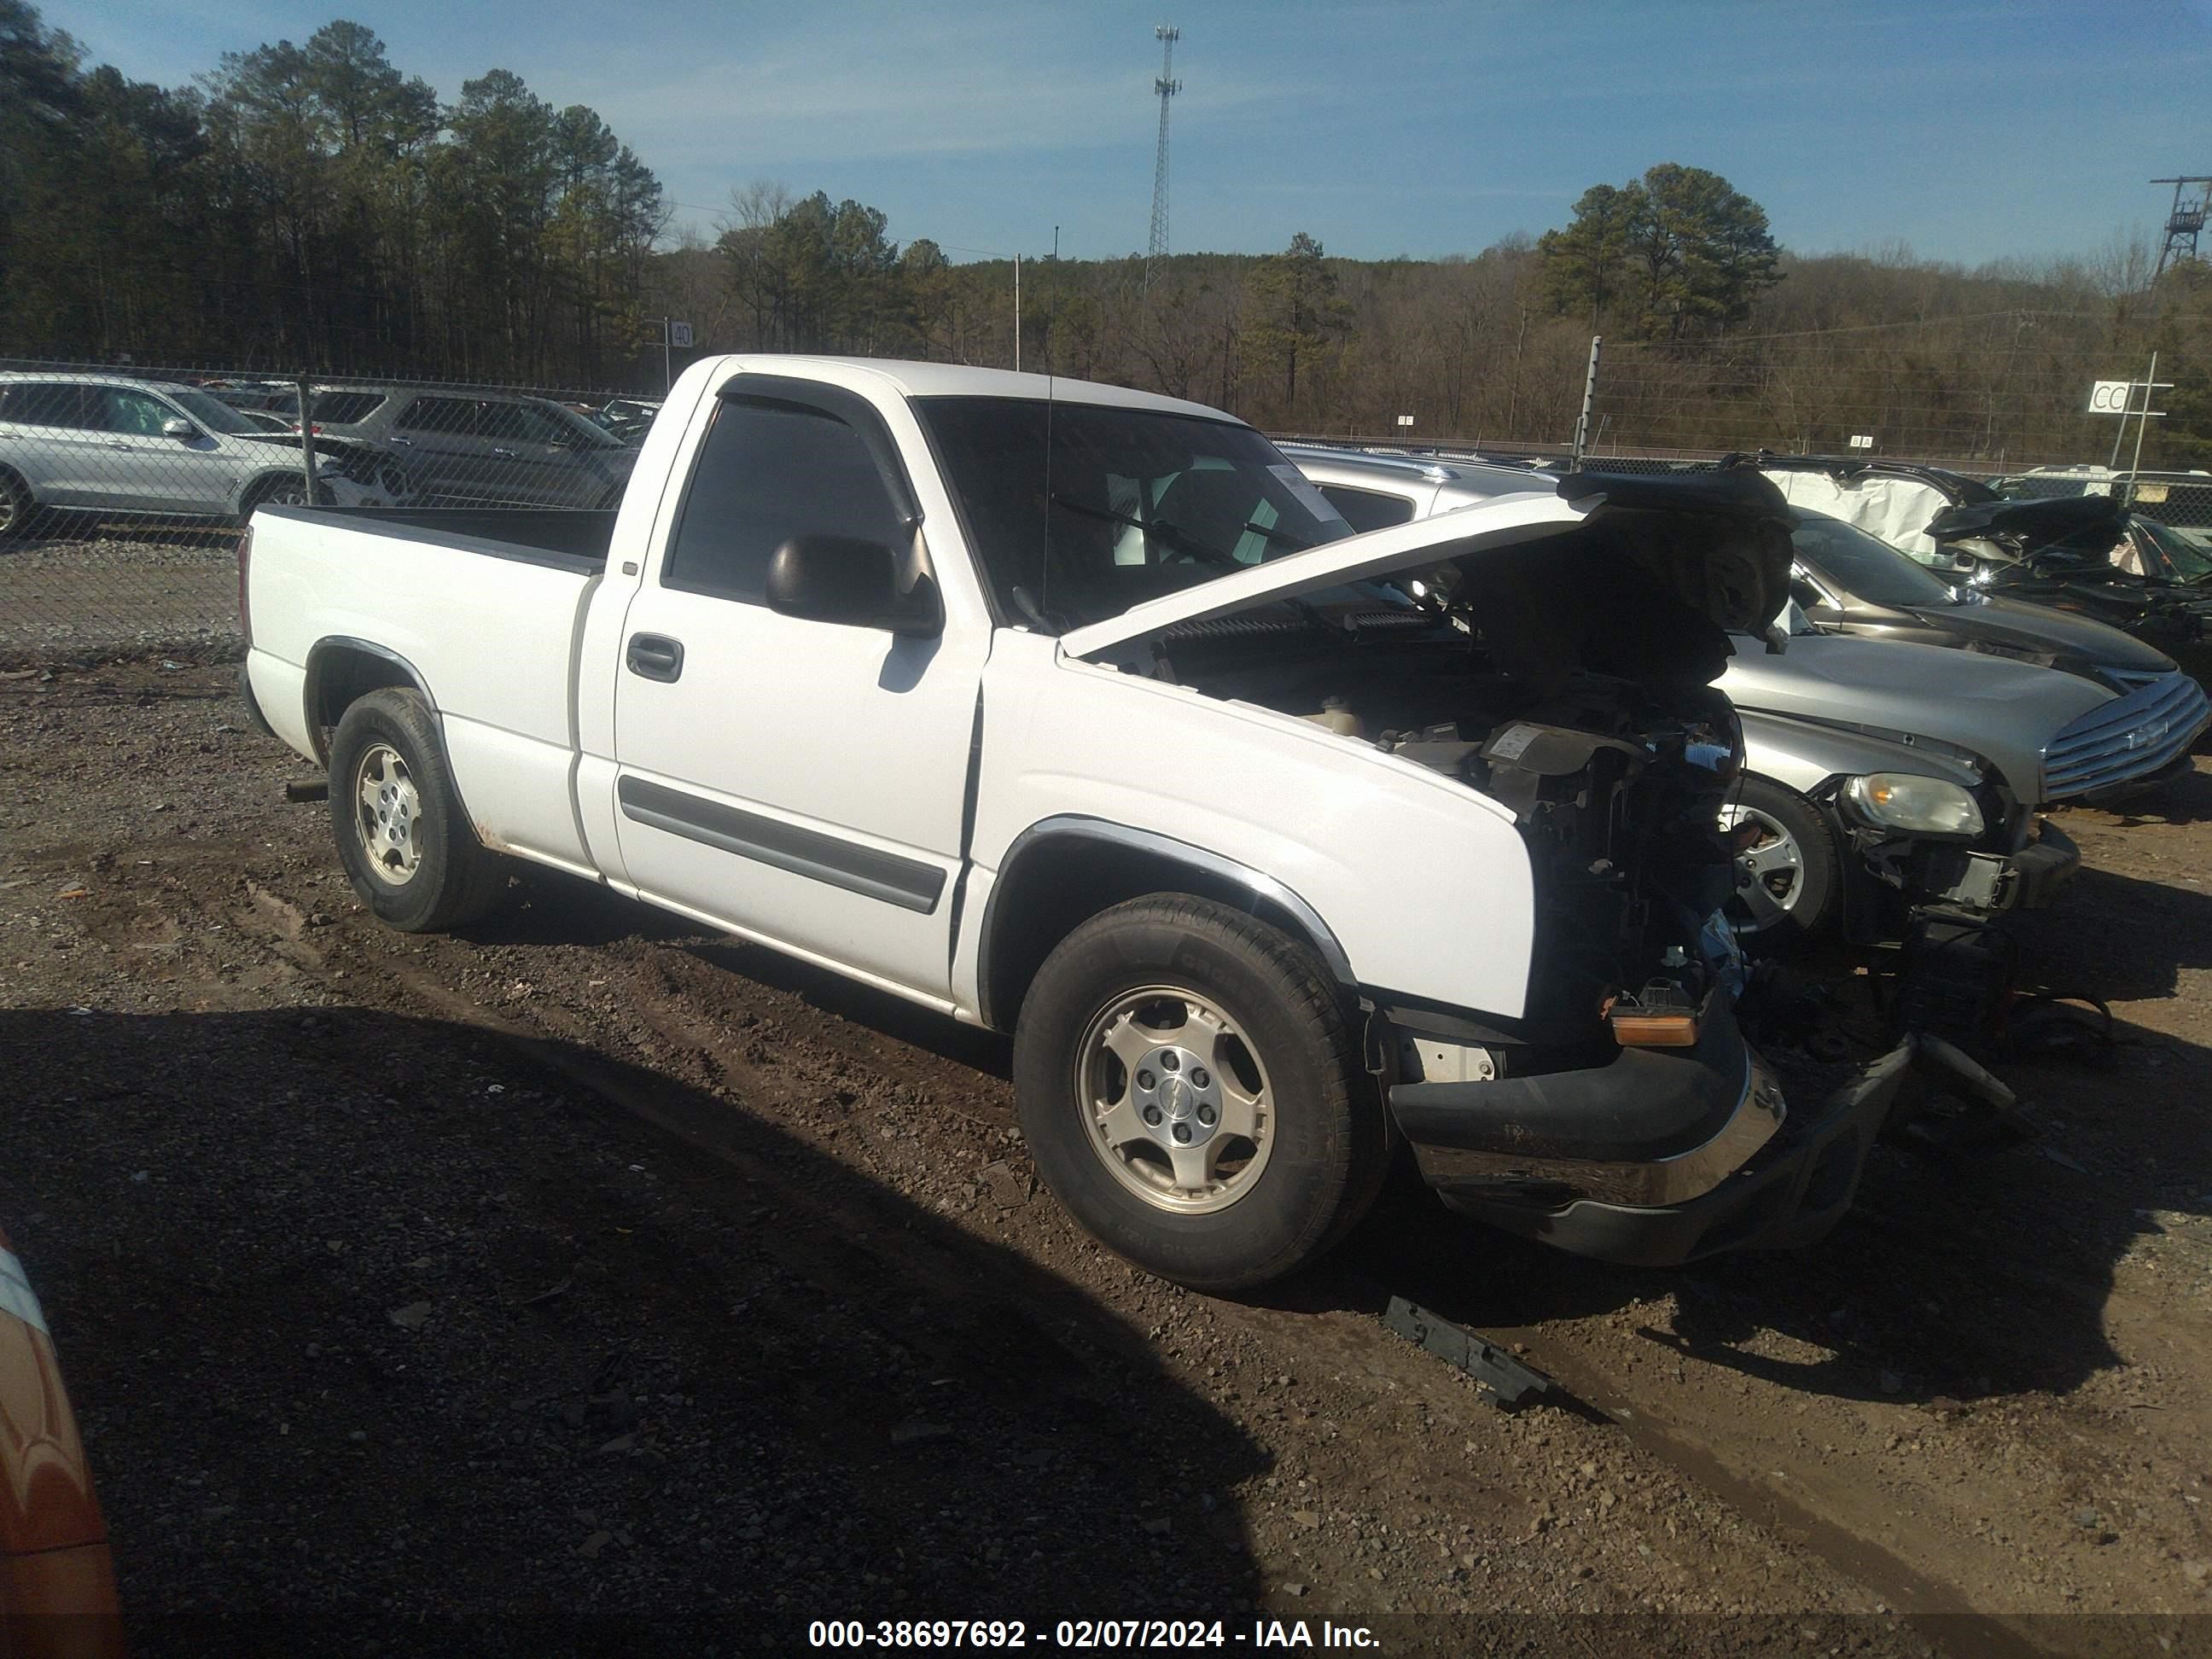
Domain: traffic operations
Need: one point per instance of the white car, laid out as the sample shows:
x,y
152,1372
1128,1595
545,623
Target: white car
x,y
101,443
1077,713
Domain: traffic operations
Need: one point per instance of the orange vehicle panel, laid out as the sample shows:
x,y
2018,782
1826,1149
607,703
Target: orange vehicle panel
x,y
57,1580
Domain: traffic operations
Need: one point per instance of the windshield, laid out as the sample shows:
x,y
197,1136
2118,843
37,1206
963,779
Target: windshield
x,y
1846,556
209,412
1135,503
2190,558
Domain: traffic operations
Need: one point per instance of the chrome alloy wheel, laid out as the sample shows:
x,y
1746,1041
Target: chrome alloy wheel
x,y
1177,1105
390,813
1770,873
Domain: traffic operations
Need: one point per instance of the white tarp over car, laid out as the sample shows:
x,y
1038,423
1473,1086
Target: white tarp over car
x,y
1896,510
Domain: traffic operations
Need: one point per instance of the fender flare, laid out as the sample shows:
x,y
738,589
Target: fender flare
x,y
318,658
1261,888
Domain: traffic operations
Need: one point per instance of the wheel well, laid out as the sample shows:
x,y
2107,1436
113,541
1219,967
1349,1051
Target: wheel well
x,y
1056,883
340,673
257,487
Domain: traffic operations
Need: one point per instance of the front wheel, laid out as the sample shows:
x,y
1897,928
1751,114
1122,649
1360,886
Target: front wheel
x,y
1789,881
402,835
1192,1092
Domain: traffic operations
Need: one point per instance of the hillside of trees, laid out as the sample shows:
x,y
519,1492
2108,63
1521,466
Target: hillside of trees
x,y
315,207
312,205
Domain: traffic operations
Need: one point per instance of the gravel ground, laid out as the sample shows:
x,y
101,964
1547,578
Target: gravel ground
x,y
438,1292
90,599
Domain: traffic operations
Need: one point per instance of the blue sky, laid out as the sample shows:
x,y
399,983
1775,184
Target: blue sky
x,y
1971,131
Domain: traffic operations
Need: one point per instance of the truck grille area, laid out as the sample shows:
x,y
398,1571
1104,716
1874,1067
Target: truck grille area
x,y
2130,737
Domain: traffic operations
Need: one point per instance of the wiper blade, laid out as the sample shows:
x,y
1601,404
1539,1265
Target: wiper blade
x,y
1278,538
1181,540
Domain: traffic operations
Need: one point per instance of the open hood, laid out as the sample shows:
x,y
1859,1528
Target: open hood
x,y
2032,524
1728,556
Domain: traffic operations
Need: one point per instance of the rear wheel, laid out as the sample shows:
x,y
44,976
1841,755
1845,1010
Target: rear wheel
x,y
1192,1093
1789,880
403,835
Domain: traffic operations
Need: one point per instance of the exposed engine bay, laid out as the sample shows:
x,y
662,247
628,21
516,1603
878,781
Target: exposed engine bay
x,y
1616,787
1571,679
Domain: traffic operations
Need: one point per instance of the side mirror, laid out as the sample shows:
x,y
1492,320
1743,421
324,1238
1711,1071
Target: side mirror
x,y
178,427
840,579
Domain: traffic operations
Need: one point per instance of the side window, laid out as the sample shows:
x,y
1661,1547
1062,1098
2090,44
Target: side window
x,y
507,422
769,471
43,403
1368,509
344,408
536,426
129,412
439,415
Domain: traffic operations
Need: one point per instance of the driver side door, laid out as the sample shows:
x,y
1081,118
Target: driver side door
x,y
799,780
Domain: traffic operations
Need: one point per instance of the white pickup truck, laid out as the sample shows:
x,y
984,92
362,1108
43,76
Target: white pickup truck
x,y
1079,713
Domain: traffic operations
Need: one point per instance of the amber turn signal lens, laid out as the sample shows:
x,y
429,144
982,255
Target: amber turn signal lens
x,y
1641,1030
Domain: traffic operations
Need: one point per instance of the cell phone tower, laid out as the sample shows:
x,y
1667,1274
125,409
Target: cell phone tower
x,y
2192,201
1167,86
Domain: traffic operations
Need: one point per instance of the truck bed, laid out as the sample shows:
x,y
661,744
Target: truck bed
x,y
566,538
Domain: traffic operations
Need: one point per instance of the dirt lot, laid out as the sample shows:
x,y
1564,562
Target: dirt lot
x,y
426,1292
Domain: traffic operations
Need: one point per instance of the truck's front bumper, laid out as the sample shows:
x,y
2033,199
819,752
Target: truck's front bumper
x,y
1655,1158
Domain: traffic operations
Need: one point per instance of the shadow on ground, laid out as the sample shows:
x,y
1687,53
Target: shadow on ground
x,y
382,1329
1957,1276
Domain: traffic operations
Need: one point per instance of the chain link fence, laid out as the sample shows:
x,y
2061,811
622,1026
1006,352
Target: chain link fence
x,y
122,486
89,451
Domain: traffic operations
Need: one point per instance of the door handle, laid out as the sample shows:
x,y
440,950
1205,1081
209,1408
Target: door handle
x,y
504,454
655,657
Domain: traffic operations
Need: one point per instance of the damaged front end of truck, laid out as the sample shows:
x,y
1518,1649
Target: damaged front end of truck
x,y
1564,670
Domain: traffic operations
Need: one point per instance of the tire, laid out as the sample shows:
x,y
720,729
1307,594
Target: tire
x,y
16,506
1195,994
1794,867
403,835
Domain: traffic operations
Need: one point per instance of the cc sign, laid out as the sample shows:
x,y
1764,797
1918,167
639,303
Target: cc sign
x,y
2110,396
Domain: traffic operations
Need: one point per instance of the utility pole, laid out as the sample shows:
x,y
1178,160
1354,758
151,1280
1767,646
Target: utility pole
x,y
2151,388
2150,391
1165,86
1018,313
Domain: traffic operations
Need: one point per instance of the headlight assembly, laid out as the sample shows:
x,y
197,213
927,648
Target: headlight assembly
x,y
1927,806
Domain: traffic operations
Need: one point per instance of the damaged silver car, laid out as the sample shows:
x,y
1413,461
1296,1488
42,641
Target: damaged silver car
x,y
1880,779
